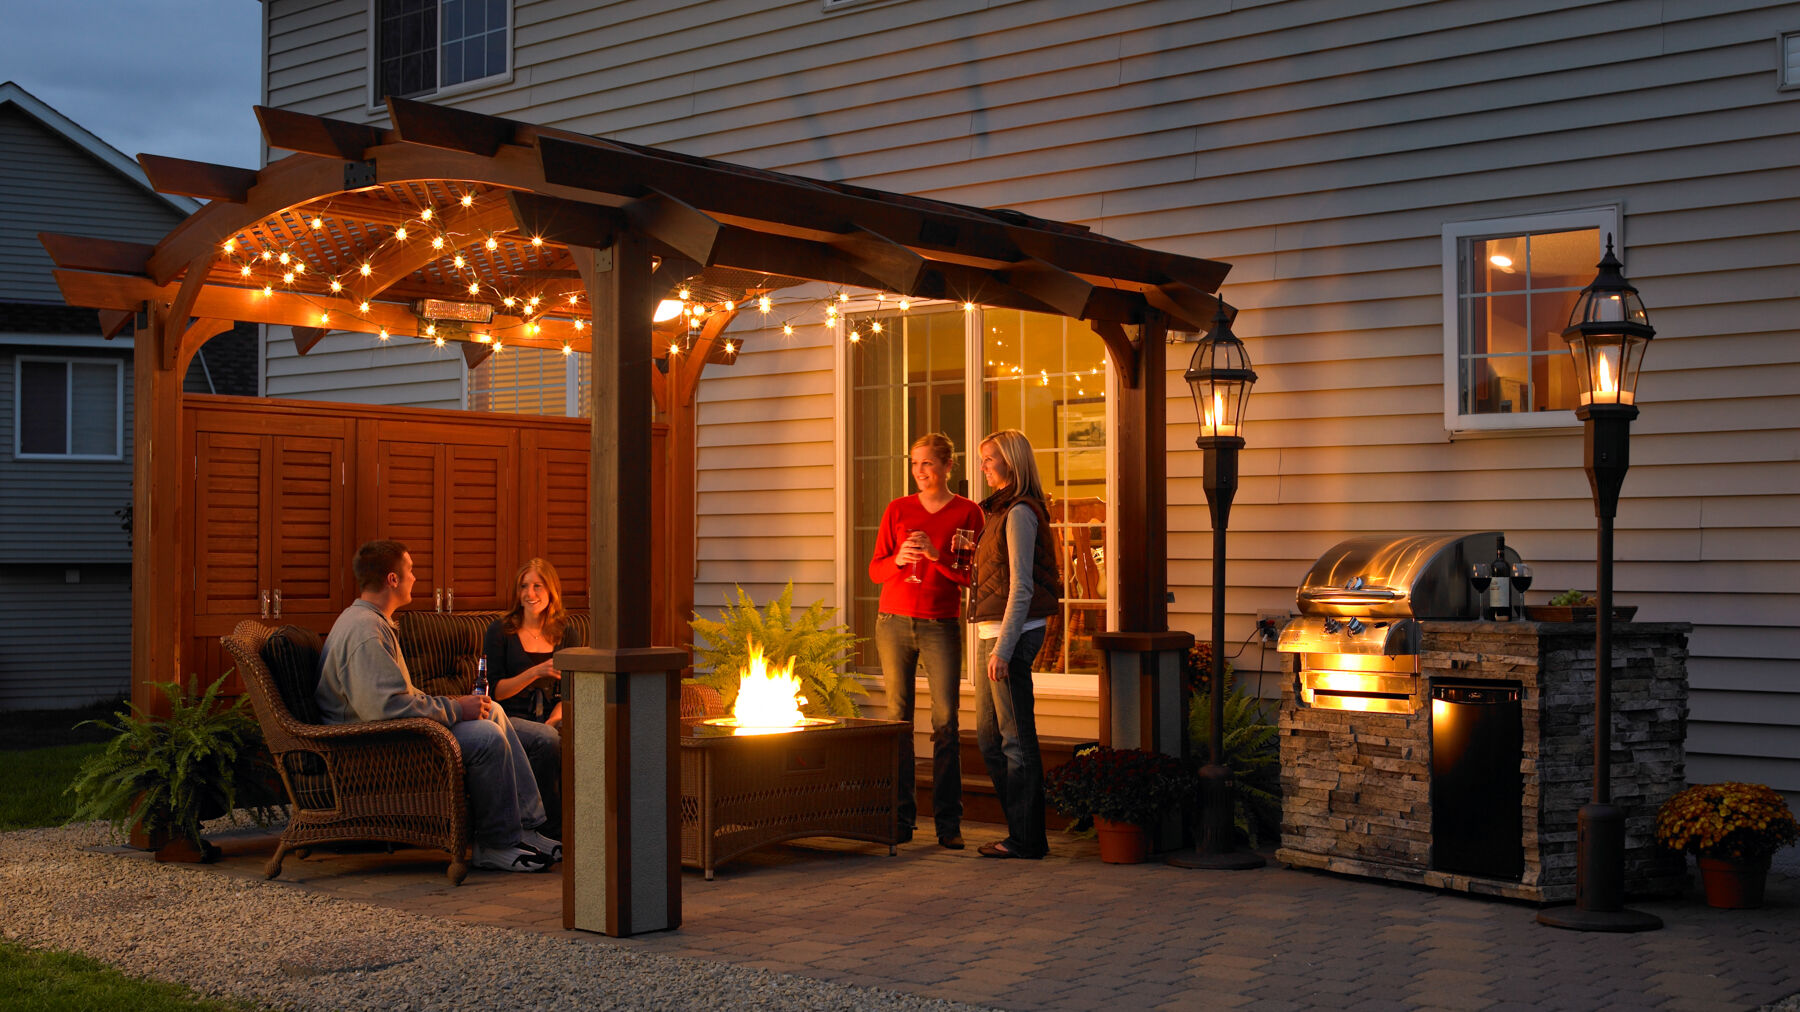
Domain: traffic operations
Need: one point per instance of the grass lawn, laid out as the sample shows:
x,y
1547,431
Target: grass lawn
x,y
33,979
40,752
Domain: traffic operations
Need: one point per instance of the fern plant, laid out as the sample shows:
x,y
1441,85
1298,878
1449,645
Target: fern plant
x,y
1252,752
168,775
820,647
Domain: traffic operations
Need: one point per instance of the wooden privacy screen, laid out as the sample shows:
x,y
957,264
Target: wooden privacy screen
x,y
282,492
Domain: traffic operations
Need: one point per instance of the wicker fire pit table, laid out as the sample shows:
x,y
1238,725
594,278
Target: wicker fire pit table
x,y
742,791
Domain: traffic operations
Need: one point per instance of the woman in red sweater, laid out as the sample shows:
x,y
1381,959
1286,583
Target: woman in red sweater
x,y
920,620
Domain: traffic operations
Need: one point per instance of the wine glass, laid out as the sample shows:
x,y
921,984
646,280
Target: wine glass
x,y
1481,574
1521,579
912,571
962,549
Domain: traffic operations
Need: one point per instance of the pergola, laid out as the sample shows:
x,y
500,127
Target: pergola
x,y
422,229
455,226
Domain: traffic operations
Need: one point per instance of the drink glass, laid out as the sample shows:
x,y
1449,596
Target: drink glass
x,y
1480,575
912,571
962,549
1521,579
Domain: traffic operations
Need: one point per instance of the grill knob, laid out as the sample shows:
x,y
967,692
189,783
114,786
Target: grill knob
x,y
1331,625
1355,626
1356,583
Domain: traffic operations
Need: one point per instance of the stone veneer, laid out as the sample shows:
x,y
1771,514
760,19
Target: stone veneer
x,y
1356,787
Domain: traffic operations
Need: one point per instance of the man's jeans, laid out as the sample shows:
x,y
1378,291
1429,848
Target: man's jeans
x,y
902,643
503,795
1006,731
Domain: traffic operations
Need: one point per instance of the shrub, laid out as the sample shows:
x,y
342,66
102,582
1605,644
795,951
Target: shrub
x,y
819,650
1731,820
1124,785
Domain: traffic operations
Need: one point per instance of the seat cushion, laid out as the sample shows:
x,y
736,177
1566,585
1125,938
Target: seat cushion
x,y
292,655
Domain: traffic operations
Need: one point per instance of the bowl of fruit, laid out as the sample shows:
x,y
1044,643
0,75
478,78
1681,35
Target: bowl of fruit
x,y
1575,606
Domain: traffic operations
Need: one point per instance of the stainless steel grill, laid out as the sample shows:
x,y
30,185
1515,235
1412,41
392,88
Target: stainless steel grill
x,y
1357,635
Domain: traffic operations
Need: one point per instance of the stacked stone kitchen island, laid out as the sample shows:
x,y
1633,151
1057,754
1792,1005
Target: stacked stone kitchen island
x,y
1357,785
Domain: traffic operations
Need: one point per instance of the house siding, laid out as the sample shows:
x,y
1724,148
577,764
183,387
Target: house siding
x,y
1319,146
52,672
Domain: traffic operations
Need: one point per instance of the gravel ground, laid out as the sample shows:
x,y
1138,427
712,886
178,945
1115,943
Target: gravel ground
x,y
284,947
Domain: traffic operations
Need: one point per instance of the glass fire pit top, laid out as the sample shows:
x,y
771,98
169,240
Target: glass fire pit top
x,y
725,727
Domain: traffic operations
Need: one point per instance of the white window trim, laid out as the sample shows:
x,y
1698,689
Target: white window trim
x,y
1787,61
1046,684
1607,219
378,102
69,407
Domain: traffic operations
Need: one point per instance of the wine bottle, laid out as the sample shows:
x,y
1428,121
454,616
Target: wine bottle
x,y
1499,593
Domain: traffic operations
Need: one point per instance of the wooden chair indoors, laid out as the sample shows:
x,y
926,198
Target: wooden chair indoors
x,y
391,781
1074,520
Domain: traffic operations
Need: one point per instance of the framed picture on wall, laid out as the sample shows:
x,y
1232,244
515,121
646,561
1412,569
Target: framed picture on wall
x,y
1081,441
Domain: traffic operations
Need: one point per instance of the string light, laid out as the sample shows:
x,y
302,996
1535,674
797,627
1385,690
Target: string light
x,y
905,305
787,330
324,318
336,285
468,200
231,245
492,244
287,278
509,302
579,326
474,288
366,269
383,335
430,329
674,349
569,349
268,255
683,294
843,297
537,240
729,347
268,290
400,233
876,326
968,307
855,337
439,342
425,215
318,223
459,261
362,307
437,242
244,270
763,304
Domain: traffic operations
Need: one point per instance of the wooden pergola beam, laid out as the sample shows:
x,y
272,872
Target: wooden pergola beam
x,y
106,255
203,180
318,135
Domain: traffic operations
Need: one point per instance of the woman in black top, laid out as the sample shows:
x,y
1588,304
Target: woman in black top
x,y
521,650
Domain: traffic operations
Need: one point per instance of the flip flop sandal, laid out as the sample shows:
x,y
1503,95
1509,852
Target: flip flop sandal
x,y
996,849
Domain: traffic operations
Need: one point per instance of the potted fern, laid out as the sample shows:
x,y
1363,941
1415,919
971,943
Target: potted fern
x,y
819,645
167,775
1252,751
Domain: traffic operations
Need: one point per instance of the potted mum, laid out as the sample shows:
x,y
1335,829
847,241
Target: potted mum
x,y
1123,791
1732,829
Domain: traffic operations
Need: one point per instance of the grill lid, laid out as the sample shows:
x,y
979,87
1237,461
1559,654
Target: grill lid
x,y
1363,595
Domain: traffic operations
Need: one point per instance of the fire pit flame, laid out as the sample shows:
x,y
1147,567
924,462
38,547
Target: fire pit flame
x,y
768,699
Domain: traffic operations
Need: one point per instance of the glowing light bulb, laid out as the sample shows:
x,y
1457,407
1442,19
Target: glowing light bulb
x,y
572,297
568,349
425,215
787,330
905,305
674,349
383,335
266,255
437,242
362,307
729,347
579,326
831,312
244,270
683,294
474,288
287,278
498,347
299,267
492,243
537,240
336,285
366,269
876,326
842,297
268,290
283,258
231,245
400,233
855,337
765,304
509,302
532,302
730,306
468,200
458,262
439,342
324,318
430,329
317,223
968,307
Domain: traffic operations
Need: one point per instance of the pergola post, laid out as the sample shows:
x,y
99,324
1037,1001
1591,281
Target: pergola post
x,y
156,507
621,823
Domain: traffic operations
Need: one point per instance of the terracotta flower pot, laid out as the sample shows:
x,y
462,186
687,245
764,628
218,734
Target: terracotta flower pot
x,y
1122,842
1732,884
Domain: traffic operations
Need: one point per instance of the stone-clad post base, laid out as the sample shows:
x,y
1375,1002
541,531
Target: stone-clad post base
x,y
1143,703
621,771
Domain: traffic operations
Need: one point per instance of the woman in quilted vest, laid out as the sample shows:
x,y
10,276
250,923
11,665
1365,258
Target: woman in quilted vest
x,y
1016,588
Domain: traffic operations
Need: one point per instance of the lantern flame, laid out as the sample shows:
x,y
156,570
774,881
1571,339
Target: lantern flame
x,y
1604,383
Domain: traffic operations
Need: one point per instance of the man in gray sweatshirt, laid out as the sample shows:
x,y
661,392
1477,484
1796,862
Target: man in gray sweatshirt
x,y
363,676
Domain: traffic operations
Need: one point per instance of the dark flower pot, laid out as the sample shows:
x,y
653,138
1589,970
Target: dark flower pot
x,y
1122,842
1733,884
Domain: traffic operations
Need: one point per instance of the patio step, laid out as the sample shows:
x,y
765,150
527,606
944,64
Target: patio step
x,y
979,803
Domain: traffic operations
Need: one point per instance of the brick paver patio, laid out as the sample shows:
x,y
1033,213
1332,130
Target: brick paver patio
x,y
1072,933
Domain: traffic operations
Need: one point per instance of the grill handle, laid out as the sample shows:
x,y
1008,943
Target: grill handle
x,y
1335,595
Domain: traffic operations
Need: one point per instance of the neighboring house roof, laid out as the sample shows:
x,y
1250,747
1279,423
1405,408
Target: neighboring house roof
x,y
10,92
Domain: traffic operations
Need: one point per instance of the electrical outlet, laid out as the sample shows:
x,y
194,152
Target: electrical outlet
x,y
1270,623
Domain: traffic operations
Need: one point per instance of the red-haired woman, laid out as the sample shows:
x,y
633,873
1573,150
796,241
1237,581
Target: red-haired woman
x,y
521,650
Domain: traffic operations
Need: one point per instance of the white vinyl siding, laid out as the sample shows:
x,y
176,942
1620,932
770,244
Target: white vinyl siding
x,y
1320,149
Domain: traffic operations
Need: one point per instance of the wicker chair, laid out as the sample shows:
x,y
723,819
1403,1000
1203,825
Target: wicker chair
x,y
393,781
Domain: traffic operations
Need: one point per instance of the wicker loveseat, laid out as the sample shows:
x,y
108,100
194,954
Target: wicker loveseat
x,y
393,781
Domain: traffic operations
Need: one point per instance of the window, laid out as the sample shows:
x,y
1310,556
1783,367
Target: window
x,y
523,381
1509,287
1788,70
70,408
426,46
940,369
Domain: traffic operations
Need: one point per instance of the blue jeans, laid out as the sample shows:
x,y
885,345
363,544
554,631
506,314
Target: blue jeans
x,y
1006,731
543,748
902,642
503,795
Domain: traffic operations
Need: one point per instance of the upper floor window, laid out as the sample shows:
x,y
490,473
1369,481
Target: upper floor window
x,y
69,408
425,46
1509,286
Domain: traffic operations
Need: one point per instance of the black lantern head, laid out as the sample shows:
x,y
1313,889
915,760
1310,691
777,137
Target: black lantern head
x,y
1607,334
1220,377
